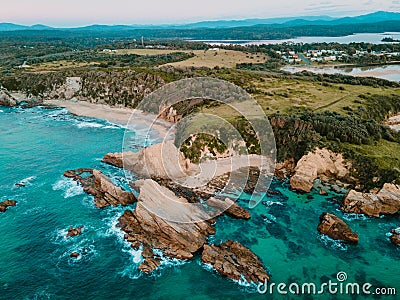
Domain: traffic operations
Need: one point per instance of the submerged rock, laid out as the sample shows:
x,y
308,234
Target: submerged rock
x,y
166,222
235,261
321,162
395,237
386,201
74,255
105,192
6,204
336,228
74,231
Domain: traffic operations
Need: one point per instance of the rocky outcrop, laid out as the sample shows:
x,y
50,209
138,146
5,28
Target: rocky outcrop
x,y
114,159
166,222
386,201
229,207
395,237
233,260
336,228
285,169
6,204
6,99
320,162
74,231
162,160
68,90
101,187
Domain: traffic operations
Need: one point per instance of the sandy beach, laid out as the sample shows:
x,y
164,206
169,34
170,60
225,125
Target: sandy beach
x,y
116,115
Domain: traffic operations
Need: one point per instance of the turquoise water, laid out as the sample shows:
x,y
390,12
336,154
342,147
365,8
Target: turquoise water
x,y
37,145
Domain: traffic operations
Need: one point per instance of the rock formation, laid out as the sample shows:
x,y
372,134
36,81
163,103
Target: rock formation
x,y
320,162
114,159
229,207
101,187
74,231
162,160
6,99
285,169
6,204
395,237
163,221
336,228
233,260
386,201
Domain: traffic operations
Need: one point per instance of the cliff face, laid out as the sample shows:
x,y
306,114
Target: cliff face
x,y
320,163
120,88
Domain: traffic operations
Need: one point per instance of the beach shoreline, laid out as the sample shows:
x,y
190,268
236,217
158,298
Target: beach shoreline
x,y
117,115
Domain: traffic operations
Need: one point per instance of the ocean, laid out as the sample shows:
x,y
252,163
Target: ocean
x,y
38,144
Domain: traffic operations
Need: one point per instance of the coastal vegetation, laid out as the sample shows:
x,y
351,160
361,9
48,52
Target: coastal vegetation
x,y
306,110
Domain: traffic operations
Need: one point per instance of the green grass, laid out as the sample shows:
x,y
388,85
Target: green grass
x,y
288,96
385,153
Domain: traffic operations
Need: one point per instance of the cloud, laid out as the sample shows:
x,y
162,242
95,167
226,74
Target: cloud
x,y
316,7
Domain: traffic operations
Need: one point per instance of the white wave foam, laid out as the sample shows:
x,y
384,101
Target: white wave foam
x,y
70,187
331,243
28,180
270,203
249,286
85,248
168,262
352,217
88,125
1,111
113,230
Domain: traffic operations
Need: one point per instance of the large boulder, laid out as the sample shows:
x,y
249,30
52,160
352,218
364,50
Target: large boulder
x,y
235,261
105,192
6,204
386,201
317,163
336,228
166,222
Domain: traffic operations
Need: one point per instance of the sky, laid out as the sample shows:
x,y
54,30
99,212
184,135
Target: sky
x,y
64,13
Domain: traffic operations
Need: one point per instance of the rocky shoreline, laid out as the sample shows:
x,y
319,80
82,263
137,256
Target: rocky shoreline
x,y
170,218
178,220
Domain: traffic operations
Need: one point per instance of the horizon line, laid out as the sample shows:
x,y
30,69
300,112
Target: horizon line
x,y
337,15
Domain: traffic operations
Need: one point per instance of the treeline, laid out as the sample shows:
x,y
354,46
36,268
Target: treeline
x,y
341,79
258,32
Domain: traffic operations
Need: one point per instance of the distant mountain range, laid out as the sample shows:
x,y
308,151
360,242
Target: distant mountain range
x,y
376,17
